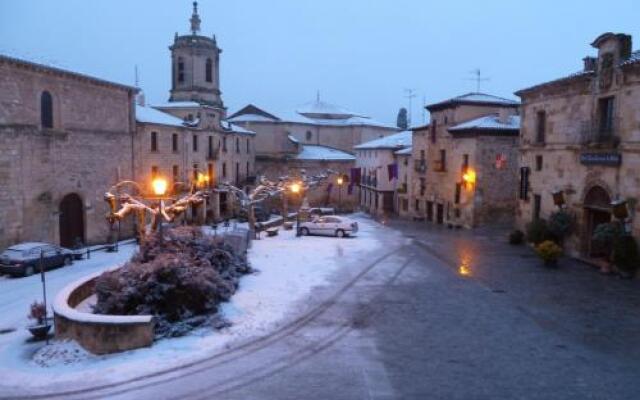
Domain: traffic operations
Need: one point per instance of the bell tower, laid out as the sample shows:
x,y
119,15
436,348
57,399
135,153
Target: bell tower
x,y
195,66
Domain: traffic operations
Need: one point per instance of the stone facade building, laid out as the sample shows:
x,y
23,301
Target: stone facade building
x,y
581,140
380,172
316,137
64,139
465,161
404,189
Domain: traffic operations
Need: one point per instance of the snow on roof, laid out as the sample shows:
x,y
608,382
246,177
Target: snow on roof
x,y
294,140
177,104
251,118
150,115
235,128
404,152
479,98
54,65
489,122
633,58
315,152
324,110
395,141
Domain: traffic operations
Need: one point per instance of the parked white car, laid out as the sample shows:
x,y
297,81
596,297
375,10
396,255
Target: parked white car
x,y
331,225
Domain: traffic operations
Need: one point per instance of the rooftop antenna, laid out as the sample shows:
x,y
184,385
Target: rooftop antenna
x,y
137,79
478,78
410,94
424,109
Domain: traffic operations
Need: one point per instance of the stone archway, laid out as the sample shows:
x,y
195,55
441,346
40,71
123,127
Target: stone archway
x,y
597,210
71,220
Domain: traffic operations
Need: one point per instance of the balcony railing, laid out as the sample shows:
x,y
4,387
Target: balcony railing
x,y
370,181
420,165
597,134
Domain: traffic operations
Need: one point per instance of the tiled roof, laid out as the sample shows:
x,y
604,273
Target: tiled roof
x,y
323,153
395,141
236,129
489,122
474,98
577,75
150,115
404,152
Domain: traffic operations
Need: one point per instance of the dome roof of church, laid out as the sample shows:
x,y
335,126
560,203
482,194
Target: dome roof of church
x,y
323,110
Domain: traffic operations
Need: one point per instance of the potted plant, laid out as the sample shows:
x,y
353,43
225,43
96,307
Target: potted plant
x,y
625,256
537,231
604,236
560,225
549,252
41,328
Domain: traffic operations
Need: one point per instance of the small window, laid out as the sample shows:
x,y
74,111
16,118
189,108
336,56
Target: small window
x,y
46,110
541,126
605,111
524,183
209,70
538,163
154,141
176,173
195,143
537,205
465,162
417,205
210,150
174,142
196,169
458,193
434,126
309,135
248,146
180,70
238,145
210,174
224,144
224,169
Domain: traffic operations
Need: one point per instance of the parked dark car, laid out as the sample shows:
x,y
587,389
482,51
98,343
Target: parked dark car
x,y
24,259
260,213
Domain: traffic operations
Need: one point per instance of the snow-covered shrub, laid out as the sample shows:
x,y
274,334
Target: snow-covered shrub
x,y
181,281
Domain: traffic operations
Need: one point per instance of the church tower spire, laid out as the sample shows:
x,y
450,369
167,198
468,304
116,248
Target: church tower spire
x,y
195,19
195,61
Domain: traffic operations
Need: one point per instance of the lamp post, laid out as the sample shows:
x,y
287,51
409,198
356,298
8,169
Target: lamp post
x,y
160,189
340,182
295,189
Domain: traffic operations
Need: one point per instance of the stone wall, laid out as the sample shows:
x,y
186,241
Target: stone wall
x,y
87,150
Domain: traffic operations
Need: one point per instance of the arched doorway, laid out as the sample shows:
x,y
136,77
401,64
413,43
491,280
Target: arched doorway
x,y
71,220
597,210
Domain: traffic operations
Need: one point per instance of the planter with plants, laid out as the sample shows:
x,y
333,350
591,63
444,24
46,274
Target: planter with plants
x,y
537,232
626,256
549,252
603,239
41,328
560,225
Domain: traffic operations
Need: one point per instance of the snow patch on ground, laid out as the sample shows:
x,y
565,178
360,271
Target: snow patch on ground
x,y
289,268
61,353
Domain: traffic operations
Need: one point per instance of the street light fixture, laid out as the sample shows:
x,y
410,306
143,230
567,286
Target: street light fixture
x,y
340,182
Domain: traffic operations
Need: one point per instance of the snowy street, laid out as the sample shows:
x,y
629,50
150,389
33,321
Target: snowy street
x,y
399,312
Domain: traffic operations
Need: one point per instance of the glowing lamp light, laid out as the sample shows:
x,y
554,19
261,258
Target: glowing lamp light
x,y
202,179
469,177
159,186
464,270
295,188
340,181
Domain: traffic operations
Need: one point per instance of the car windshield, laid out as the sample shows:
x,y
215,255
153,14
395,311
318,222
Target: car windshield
x,y
13,254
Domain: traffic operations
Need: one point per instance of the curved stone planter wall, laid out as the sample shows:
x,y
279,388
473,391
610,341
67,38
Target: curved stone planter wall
x,y
99,334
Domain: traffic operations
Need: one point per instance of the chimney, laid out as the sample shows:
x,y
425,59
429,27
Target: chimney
x,y
590,64
504,115
140,99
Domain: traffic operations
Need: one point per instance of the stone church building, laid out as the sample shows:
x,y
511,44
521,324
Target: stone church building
x,y
66,138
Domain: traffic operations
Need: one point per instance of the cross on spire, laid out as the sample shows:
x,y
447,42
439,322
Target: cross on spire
x,y
478,78
195,19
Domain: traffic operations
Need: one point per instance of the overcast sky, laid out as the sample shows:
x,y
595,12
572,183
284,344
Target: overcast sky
x,y
361,54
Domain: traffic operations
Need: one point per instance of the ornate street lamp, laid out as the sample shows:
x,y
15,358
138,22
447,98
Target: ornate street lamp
x,y
558,198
